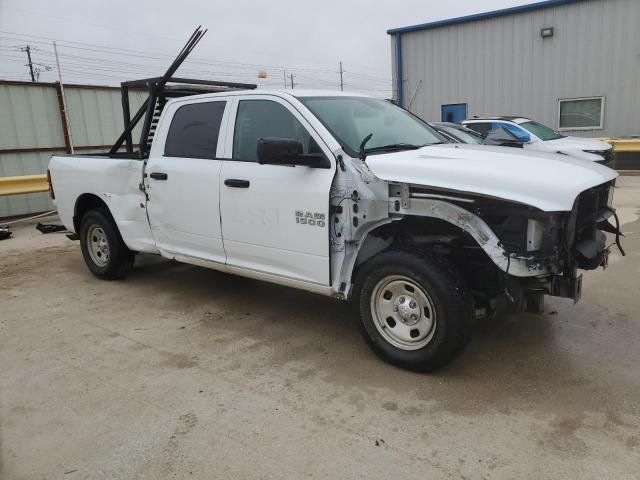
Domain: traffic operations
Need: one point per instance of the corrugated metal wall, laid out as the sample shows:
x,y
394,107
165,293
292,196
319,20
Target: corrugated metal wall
x,y
502,65
30,118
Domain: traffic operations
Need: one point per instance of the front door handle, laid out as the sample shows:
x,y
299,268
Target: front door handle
x,y
159,176
236,183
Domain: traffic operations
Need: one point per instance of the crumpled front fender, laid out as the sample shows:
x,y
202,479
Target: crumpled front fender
x,y
516,265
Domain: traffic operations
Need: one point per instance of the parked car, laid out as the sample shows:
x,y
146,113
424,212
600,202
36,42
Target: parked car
x,y
347,196
455,133
535,136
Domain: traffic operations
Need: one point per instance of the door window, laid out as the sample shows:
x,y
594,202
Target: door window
x,y
194,130
265,118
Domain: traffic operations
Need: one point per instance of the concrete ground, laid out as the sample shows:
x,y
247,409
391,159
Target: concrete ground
x,y
183,372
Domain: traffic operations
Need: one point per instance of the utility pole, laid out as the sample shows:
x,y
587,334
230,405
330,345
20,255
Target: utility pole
x,y
341,82
284,75
28,50
292,81
64,101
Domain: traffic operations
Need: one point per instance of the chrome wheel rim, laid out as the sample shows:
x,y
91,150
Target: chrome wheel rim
x,y
97,245
403,312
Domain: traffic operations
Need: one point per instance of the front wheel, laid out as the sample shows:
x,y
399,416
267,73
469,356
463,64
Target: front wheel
x,y
415,312
103,250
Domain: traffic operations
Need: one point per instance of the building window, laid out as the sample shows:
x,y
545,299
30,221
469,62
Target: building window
x,y
581,113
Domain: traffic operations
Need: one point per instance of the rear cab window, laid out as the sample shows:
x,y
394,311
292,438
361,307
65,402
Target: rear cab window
x,y
194,130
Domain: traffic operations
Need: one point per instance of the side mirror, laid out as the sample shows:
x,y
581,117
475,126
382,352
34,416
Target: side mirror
x,y
502,138
288,151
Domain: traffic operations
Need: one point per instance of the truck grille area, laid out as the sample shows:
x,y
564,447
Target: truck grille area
x,y
608,158
589,242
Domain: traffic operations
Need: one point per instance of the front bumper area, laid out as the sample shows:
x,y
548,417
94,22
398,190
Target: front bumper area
x,y
585,248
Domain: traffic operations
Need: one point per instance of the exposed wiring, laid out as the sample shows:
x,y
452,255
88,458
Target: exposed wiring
x,y
618,243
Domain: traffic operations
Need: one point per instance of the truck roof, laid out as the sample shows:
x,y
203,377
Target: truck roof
x,y
297,93
506,118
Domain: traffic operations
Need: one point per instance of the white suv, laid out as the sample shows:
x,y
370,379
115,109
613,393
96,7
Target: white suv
x,y
536,136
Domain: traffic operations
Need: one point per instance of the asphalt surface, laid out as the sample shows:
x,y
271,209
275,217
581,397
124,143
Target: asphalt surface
x,y
183,372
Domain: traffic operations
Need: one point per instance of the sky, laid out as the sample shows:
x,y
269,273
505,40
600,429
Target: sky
x,y
106,42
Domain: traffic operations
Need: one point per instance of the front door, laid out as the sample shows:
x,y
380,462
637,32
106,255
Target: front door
x,y
454,113
275,217
182,180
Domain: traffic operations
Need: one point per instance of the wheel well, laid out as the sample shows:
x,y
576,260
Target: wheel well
x,y
418,230
407,234
86,202
420,234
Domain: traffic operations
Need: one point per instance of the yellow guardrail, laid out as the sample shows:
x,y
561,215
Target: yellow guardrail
x,y
23,184
624,145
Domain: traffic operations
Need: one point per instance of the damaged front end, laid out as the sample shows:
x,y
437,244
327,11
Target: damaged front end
x,y
563,242
585,242
536,252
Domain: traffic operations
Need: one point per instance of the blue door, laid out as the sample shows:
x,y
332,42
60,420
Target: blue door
x,y
454,113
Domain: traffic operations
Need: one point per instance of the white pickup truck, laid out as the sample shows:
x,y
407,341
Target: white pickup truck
x,y
350,197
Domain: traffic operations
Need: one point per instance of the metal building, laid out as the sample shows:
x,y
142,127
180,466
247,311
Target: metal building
x,y
33,127
573,65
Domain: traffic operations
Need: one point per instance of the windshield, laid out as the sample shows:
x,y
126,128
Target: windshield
x,y
463,134
542,132
351,119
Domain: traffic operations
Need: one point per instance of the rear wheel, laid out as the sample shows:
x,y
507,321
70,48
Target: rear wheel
x,y
103,250
415,312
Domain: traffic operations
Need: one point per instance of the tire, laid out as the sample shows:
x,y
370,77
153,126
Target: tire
x,y
103,250
415,310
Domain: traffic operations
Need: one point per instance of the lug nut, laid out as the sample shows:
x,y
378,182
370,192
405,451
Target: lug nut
x,y
412,304
401,299
414,316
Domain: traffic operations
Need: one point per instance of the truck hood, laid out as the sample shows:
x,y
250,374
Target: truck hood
x,y
549,182
577,143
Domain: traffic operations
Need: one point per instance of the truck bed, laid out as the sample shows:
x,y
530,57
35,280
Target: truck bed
x,y
114,180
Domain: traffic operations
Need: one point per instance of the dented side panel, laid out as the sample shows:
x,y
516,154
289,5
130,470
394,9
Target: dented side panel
x,y
358,205
114,181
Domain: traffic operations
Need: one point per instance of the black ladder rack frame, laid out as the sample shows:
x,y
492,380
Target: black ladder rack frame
x,y
158,93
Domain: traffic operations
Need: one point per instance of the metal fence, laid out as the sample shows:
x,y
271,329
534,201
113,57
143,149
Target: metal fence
x,y
33,127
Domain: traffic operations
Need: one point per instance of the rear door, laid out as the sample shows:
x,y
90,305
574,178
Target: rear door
x,y
274,217
182,179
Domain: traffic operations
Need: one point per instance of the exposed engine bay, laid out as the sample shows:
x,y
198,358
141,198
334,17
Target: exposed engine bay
x,y
502,248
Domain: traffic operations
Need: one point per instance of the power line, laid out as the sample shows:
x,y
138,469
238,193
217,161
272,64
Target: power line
x,y
153,55
117,68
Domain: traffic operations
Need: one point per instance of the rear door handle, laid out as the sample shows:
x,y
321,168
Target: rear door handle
x,y
159,176
236,183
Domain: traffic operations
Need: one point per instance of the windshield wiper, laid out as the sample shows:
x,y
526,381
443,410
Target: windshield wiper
x,y
363,151
392,147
